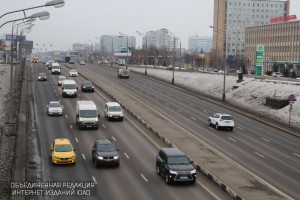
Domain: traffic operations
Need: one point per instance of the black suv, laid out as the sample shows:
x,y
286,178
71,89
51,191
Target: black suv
x,y
104,152
174,166
87,86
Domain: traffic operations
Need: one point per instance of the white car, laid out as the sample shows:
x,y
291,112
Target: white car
x,y
82,63
73,72
113,110
221,120
277,74
54,108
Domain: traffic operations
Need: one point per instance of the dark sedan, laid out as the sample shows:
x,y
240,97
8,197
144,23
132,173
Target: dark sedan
x,y
87,86
42,77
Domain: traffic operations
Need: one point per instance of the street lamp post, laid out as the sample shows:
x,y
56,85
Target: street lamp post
x,y
55,3
146,50
173,81
224,79
122,34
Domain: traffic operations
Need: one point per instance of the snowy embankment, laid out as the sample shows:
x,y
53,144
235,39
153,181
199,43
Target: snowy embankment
x,y
250,93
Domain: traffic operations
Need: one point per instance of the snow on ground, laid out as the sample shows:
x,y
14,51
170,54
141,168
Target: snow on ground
x,y
4,86
250,93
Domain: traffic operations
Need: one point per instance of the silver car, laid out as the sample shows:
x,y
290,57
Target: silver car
x,y
73,72
54,108
60,80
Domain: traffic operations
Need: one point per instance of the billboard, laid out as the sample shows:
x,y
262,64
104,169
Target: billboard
x,y
122,51
5,45
15,37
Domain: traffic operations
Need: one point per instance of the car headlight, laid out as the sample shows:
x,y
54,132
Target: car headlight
x,y
110,115
193,172
172,172
73,156
116,157
96,120
55,156
100,157
80,120
83,86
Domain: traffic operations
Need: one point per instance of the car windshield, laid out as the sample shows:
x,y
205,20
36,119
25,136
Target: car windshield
x,y
63,148
69,86
54,104
114,108
55,67
106,148
87,83
62,78
73,70
226,118
177,160
42,74
88,113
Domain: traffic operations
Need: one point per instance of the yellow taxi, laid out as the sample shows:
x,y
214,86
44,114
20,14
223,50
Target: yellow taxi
x,y
62,152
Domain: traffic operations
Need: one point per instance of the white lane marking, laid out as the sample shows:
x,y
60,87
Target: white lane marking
x,y
193,118
265,139
76,139
296,154
144,177
191,105
66,116
71,126
240,128
211,128
103,126
126,155
179,110
113,138
231,139
83,156
94,179
259,154
205,111
167,104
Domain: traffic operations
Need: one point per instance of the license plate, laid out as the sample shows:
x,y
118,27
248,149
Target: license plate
x,y
183,177
227,122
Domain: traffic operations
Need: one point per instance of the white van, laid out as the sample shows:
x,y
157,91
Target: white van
x,y
87,115
69,88
113,110
55,68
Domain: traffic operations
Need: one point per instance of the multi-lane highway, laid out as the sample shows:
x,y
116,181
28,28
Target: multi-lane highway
x,y
134,179
262,149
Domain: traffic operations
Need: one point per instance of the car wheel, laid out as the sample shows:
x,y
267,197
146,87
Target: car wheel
x,y
167,180
97,165
117,165
217,126
93,159
209,123
157,169
231,128
121,119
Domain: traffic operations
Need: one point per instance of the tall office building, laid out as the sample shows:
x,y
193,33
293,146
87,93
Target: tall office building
x,y
198,43
109,43
161,38
232,16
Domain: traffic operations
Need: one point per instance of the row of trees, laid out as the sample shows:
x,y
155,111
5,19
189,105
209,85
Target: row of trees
x,y
164,57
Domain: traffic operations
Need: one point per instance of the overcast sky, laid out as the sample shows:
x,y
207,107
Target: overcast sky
x,y
81,21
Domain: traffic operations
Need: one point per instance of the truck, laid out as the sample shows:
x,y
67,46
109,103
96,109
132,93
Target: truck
x,y
121,62
123,73
87,115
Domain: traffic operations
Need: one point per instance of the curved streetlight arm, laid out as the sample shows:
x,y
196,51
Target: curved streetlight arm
x,y
55,3
41,15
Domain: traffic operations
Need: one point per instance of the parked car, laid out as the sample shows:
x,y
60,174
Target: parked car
x,y
221,120
104,152
174,166
54,108
277,74
60,80
62,152
82,63
73,72
87,86
42,76
268,73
